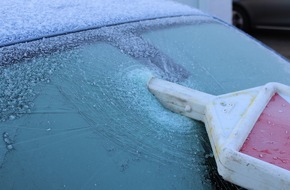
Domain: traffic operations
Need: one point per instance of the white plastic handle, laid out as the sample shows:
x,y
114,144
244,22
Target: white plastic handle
x,y
180,99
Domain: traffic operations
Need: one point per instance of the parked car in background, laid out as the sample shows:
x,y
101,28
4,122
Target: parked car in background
x,y
264,14
75,111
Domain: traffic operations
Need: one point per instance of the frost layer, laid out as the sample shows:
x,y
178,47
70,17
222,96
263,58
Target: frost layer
x,y
27,19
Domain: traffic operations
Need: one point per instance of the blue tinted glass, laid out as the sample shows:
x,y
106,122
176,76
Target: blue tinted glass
x,y
220,59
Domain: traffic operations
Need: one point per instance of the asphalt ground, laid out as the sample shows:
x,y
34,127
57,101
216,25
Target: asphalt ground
x,y
275,39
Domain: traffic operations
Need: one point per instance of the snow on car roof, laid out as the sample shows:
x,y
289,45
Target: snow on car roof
x,y
28,19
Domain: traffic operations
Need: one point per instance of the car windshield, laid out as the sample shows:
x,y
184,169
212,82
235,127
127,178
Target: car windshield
x,y
76,112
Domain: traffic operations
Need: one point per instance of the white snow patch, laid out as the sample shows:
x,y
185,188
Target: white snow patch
x,y
27,19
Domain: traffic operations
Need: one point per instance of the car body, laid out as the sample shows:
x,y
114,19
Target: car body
x,y
264,14
75,109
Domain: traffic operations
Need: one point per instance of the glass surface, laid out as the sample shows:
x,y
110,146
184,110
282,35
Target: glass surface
x,y
221,59
80,116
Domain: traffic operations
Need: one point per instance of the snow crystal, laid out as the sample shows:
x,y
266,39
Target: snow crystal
x,y
29,19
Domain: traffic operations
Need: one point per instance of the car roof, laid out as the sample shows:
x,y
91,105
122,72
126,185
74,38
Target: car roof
x,y
33,19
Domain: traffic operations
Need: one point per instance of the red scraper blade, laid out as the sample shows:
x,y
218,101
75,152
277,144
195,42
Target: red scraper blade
x,y
269,139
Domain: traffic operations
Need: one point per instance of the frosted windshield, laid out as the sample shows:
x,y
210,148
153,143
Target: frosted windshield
x,y
88,121
76,112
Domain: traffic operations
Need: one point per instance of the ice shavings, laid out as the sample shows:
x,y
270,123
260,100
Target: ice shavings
x,y
27,19
147,54
17,84
169,135
133,82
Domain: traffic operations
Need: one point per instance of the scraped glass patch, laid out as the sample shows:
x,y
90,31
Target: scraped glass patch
x,y
218,66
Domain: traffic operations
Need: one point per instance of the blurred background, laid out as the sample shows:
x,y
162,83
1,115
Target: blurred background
x,y
266,20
